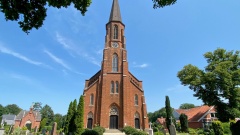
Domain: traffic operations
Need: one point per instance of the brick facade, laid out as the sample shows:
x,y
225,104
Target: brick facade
x,y
117,96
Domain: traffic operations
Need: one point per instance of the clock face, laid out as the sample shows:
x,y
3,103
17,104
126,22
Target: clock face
x,y
115,45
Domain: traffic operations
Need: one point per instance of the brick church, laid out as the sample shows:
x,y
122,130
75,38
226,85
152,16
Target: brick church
x,y
114,97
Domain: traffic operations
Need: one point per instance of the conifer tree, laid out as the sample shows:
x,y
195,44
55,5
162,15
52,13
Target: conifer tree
x,y
168,112
68,119
184,122
79,117
72,125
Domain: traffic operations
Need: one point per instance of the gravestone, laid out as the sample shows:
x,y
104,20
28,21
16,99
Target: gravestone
x,y
150,131
172,129
54,129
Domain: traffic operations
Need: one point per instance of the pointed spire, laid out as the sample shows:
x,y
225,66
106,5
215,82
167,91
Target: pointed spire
x,y
115,12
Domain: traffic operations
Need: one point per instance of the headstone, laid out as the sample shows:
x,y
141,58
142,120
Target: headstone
x,y
150,131
54,129
172,129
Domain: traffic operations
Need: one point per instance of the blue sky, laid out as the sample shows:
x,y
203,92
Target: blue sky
x,y
50,65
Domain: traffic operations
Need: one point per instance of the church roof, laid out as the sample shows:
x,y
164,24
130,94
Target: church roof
x,y
115,12
23,113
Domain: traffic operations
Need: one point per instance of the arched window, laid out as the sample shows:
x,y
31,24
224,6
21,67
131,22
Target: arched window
x,y
136,99
115,32
91,99
112,87
117,86
115,63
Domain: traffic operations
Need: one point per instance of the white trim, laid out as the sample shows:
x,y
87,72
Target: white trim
x,y
206,114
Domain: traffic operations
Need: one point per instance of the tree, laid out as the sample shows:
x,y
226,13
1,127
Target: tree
x,y
184,122
157,114
68,119
58,118
163,3
37,106
12,109
2,110
43,123
186,106
31,13
48,113
79,116
72,125
169,117
218,84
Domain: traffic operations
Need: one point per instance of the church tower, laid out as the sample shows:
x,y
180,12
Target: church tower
x,y
113,97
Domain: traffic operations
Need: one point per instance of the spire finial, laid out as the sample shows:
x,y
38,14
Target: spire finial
x,y
115,12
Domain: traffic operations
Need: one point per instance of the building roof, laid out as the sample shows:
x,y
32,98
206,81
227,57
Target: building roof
x,y
23,113
115,12
161,120
197,113
8,117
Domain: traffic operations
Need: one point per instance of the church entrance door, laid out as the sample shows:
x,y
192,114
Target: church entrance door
x,y
113,122
89,124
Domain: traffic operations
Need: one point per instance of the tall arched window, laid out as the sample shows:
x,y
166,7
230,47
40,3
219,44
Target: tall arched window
x,y
90,120
112,87
91,99
115,32
136,99
117,86
115,63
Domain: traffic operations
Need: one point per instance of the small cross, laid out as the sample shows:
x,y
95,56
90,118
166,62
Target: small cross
x,y
171,118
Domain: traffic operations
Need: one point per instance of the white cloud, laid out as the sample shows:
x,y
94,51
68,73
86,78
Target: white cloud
x,y
144,65
20,56
69,46
57,60
177,87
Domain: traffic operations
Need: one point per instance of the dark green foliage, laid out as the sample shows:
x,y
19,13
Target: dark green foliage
x,y
226,128
99,129
72,125
90,132
33,12
2,110
191,131
218,84
184,122
12,109
217,127
158,133
79,116
186,106
157,114
168,112
129,130
155,129
43,124
235,127
163,3
140,133
58,118
48,113
68,119
37,106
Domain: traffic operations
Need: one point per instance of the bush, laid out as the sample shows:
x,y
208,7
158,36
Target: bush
x,y
191,131
140,133
129,130
158,133
90,132
100,130
155,129
226,128
217,127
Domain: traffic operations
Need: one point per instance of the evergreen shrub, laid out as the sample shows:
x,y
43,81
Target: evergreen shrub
x,y
191,131
90,132
129,130
235,127
99,129
140,133
226,128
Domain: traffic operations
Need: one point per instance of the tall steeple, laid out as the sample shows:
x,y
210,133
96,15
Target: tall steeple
x,y
115,12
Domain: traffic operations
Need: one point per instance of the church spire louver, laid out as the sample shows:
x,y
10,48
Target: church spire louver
x,y
115,12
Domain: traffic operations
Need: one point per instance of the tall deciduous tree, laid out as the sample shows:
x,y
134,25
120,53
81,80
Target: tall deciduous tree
x,y
34,12
218,84
186,106
184,122
79,117
163,3
2,110
157,114
58,118
169,116
12,109
48,113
